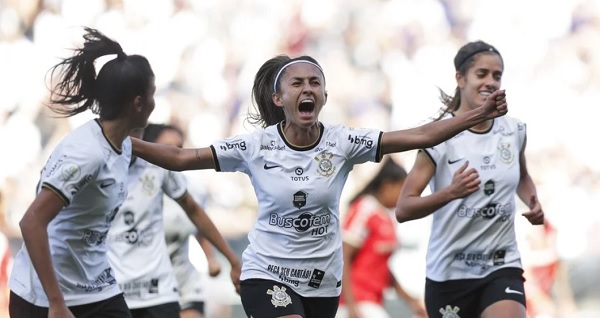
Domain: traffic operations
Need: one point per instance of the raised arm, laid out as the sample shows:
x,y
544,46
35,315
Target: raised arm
x,y
433,133
411,205
173,158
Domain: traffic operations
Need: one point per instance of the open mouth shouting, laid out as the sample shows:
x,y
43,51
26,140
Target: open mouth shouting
x,y
306,108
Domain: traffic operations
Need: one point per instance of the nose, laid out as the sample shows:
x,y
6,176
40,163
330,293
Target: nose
x,y
307,88
492,83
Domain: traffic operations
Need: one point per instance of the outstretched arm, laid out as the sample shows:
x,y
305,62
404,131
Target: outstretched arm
x,y
411,205
173,158
204,224
433,133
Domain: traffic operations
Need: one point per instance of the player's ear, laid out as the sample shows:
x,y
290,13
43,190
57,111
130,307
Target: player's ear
x,y
277,100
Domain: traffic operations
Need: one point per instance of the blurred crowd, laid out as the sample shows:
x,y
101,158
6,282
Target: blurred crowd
x,y
385,61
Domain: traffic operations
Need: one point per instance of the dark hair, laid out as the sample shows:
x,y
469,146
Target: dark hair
x,y
390,171
462,63
119,80
153,131
262,91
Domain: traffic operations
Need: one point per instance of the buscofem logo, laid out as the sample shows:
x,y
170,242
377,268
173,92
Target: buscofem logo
x,y
303,223
487,212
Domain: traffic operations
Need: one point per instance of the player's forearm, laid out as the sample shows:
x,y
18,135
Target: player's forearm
x,y
35,237
212,234
417,207
206,246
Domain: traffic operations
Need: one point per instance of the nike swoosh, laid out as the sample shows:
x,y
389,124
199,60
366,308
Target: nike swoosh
x,y
512,291
107,184
270,167
453,161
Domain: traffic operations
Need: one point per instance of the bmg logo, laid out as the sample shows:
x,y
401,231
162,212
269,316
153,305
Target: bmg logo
x,y
234,145
367,142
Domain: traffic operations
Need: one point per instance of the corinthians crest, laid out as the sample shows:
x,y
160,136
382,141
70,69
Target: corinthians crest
x,y
279,298
326,167
148,184
450,312
505,154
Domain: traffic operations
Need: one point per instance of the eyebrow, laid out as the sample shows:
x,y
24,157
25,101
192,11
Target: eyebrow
x,y
302,78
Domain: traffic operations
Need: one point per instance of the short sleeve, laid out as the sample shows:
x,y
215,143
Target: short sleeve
x,y
521,133
232,154
174,184
361,144
434,153
69,170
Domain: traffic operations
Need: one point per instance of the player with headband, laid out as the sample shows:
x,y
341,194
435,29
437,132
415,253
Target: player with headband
x,y
298,167
473,263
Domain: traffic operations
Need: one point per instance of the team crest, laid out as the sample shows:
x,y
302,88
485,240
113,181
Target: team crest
x,y
505,154
450,312
326,167
279,298
148,184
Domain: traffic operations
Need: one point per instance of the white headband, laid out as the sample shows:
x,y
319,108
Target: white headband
x,y
291,63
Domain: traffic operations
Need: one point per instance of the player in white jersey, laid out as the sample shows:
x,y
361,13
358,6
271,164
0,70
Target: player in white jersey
x,y
298,167
136,240
178,229
473,264
62,270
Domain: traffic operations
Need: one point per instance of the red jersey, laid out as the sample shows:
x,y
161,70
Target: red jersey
x,y
369,227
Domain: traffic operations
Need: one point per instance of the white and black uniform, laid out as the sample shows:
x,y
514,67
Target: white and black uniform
x,y
90,175
296,239
137,248
178,229
475,236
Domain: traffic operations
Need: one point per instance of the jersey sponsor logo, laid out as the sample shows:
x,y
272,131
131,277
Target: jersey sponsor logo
x,y
299,175
450,312
241,145
316,278
271,147
128,217
331,144
486,164
299,199
135,288
505,154
54,167
289,275
487,212
502,131
111,216
279,298
306,221
92,237
450,162
508,290
139,238
79,185
326,167
105,279
267,167
361,140
489,187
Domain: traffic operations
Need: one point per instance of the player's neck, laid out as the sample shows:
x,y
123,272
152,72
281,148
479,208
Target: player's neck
x,y
301,136
115,130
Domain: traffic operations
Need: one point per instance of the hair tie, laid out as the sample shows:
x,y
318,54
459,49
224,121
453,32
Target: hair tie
x,y
486,49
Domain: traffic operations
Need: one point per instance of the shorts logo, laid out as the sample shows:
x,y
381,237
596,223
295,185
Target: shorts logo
x,y
279,298
450,312
512,291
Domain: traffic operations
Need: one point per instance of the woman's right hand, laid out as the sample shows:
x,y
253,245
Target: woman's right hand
x,y
59,310
495,105
464,182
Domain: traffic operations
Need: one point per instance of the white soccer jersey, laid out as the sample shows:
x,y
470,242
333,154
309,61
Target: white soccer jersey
x,y
296,239
474,236
90,175
137,248
178,229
